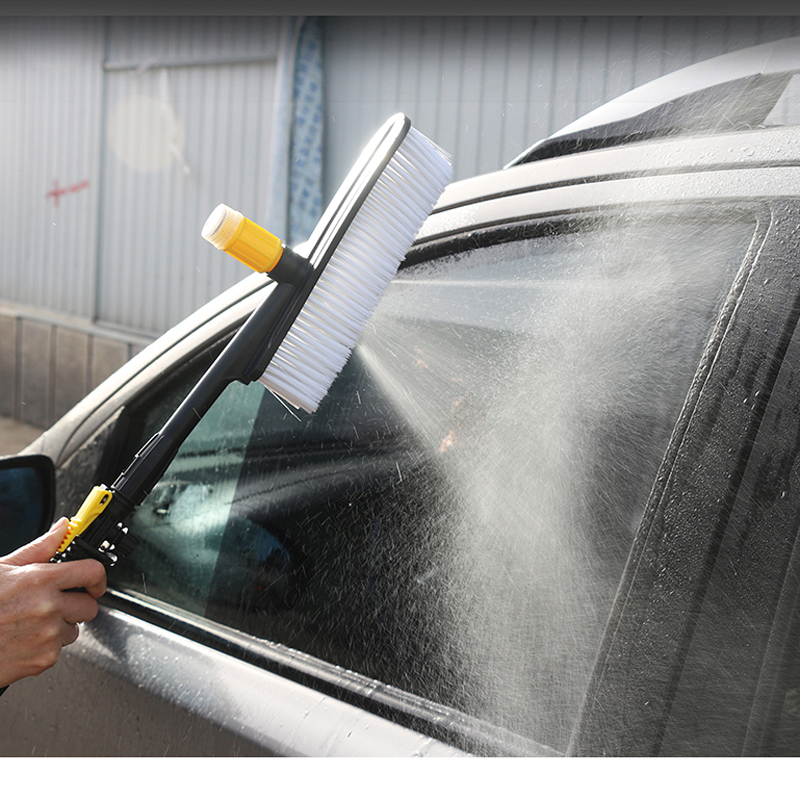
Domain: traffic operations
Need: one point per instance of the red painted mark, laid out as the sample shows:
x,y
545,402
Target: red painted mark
x,y
57,191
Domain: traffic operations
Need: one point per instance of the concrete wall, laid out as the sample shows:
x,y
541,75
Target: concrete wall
x,y
49,362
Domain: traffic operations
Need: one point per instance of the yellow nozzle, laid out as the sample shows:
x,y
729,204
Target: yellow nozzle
x,y
92,507
240,237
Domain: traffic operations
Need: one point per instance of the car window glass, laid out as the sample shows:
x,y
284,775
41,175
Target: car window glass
x,y
183,519
455,518
784,738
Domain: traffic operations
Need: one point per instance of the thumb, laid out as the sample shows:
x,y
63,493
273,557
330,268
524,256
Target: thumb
x,y
40,550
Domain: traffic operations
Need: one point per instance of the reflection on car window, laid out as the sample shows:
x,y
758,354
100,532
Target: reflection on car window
x,y
455,518
787,110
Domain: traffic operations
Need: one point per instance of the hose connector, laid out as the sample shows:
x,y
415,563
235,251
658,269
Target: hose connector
x,y
229,230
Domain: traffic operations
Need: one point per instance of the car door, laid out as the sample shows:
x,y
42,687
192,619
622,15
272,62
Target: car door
x,y
433,555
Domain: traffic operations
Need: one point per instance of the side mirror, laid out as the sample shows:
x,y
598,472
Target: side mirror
x,y
27,499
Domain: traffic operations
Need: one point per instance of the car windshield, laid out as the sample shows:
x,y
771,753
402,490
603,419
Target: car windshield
x,y
455,518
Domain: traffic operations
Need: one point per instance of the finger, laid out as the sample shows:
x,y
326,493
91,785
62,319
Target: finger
x,y
83,574
40,550
78,608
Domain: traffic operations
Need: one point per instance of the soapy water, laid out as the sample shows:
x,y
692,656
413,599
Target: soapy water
x,y
544,378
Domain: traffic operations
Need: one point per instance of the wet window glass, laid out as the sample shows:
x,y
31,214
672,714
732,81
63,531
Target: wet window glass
x,y
455,518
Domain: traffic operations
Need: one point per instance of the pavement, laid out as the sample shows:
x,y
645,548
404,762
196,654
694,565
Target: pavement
x,y
14,435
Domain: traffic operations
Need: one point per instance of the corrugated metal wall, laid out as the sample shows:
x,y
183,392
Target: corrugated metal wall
x,y
189,107
50,90
120,136
485,88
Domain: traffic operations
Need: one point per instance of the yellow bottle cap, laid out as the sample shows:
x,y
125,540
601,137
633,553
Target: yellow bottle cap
x,y
240,237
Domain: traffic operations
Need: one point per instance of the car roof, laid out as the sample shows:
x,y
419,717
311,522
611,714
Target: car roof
x,y
734,167
734,91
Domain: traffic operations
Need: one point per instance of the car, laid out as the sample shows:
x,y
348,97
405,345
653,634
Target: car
x,y
550,506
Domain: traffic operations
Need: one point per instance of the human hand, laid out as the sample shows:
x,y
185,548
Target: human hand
x,y
37,616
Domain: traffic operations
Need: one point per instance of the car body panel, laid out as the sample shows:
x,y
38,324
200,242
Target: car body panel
x,y
738,185
161,694
522,192
769,58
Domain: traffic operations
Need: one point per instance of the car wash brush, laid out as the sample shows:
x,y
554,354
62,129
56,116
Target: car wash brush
x,y
315,310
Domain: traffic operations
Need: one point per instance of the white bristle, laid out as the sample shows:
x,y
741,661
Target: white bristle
x,y
350,286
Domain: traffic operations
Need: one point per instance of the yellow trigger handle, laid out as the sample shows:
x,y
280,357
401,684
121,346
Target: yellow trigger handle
x,y
92,507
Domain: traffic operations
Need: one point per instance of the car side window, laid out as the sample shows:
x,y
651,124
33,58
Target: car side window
x,y
455,518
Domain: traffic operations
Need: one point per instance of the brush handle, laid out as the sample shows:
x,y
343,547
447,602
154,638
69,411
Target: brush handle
x,y
241,360
237,362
